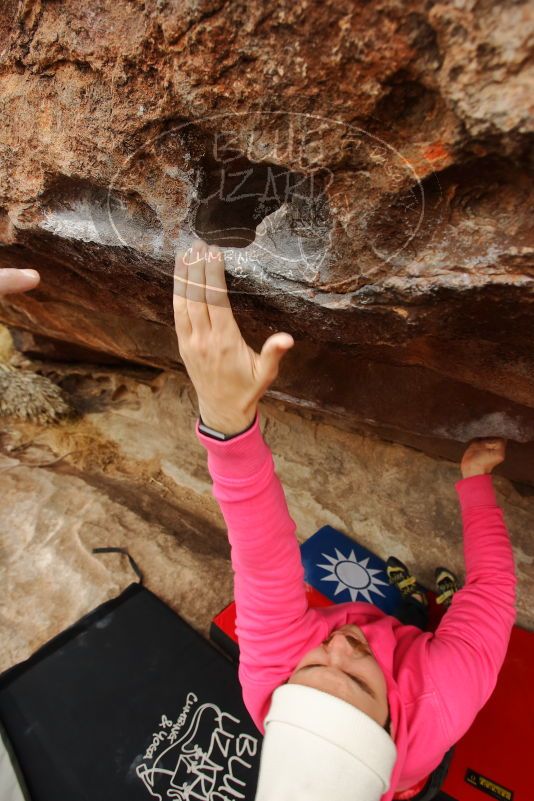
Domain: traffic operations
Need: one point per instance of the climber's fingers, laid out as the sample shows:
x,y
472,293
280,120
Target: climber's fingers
x,y
196,287
12,280
200,293
190,310
219,308
181,316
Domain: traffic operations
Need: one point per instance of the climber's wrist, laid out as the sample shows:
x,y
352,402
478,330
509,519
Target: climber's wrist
x,y
230,422
469,471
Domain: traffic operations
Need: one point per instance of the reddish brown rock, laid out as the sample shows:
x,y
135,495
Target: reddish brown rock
x,y
365,166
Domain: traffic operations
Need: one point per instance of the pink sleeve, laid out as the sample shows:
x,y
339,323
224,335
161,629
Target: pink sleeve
x,y
469,646
273,622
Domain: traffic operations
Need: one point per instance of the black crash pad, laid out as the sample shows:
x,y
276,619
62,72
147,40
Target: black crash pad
x,y
130,704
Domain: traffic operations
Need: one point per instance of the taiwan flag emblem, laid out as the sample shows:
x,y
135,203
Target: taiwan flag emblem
x,y
344,570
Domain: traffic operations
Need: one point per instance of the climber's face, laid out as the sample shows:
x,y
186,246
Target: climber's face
x,y
344,666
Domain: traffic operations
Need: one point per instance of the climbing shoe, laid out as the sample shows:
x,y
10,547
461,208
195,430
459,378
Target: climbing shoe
x,y
399,576
447,585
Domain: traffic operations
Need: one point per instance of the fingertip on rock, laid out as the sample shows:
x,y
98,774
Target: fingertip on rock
x,y
33,274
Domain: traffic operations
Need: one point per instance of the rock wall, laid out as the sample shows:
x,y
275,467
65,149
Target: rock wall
x,y
363,164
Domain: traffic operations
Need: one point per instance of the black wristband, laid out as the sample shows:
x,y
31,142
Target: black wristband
x,y
211,432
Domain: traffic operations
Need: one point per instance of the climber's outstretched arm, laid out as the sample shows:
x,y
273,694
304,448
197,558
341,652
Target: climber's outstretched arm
x,y
273,622
230,378
469,646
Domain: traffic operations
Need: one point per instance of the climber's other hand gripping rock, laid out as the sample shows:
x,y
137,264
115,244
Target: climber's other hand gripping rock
x,y
482,455
229,377
13,281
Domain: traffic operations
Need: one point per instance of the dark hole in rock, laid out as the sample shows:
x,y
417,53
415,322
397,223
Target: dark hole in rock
x,y
40,347
422,36
119,393
408,105
235,195
455,72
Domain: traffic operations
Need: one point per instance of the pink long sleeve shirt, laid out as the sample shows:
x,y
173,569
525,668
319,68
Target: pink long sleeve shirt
x,y
436,682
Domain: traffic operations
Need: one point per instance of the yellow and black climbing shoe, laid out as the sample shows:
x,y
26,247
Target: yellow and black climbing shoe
x,y
447,585
399,576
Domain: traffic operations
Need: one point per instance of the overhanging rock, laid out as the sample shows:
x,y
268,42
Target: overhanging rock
x,y
364,169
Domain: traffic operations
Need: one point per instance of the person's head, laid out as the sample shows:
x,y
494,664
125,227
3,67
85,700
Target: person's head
x,y
326,733
344,666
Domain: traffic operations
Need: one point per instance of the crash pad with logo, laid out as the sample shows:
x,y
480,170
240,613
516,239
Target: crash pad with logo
x,y
130,704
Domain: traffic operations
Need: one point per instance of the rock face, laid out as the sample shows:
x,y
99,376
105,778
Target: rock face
x,y
364,166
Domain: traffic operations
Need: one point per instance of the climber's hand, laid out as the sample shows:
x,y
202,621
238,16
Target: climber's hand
x,y
229,377
482,455
13,281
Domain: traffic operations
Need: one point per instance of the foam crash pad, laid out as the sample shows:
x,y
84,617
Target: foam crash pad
x,y
130,704
344,570
494,758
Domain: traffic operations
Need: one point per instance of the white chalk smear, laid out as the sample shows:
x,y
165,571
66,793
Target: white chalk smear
x,y
75,223
496,424
84,222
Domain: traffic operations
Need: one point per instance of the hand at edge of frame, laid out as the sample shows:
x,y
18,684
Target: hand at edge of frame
x,y
13,281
